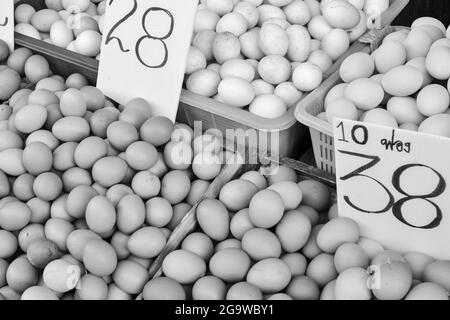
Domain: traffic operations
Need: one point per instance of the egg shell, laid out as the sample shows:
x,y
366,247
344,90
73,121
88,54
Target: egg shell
x,y
100,215
437,272
236,92
337,232
11,162
322,270
184,266
270,275
38,293
405,110
274,69
60,34
14,216
10,140
92,288
37,158
356,66
335,43
303,288
428,21
268,106
230,265
315,194
266,209
78,200
21,275
30,118
71,129
307,77
370,247
418,263
402,81
293,231
261,244
198,188
290,192
350,255
58,230
147,242
88,43
175,186
163,289
249,44
327,293
77,241
395,279
438,125
36,68
367,94
358,31
341,108
433,99
244,291
352,284
209,288
8,244
267,12
203,82
427,291
226,46
296,262
100,121
61,276
99,258
337,92
380,117
213,218
29,234
109,171
200,244
122,134
237,68
417,44
388,56
232,22
41,252
438,64
130,277
240,224
341,14
236,194
23,13
43,19
298,12
318,27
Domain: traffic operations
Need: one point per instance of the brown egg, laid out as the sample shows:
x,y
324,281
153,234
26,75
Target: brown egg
x,y
157,131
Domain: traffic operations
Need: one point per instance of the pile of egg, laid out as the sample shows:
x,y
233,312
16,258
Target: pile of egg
x,y
273,238
403,84
265,55
76,25
89,192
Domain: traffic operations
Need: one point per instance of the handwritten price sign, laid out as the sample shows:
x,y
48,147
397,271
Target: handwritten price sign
x,y
144,51
7,22
395,184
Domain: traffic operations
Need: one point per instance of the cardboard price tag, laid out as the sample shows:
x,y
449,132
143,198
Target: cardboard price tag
x,y
396,185
7,22
144,50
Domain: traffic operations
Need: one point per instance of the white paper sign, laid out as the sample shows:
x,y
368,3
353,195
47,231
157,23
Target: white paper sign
x,y
396,185
7,22
144,50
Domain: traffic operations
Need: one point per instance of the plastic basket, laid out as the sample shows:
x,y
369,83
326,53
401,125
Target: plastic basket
x,y
308,109
287,134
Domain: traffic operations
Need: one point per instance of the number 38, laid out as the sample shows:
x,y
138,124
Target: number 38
x,y
397,207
